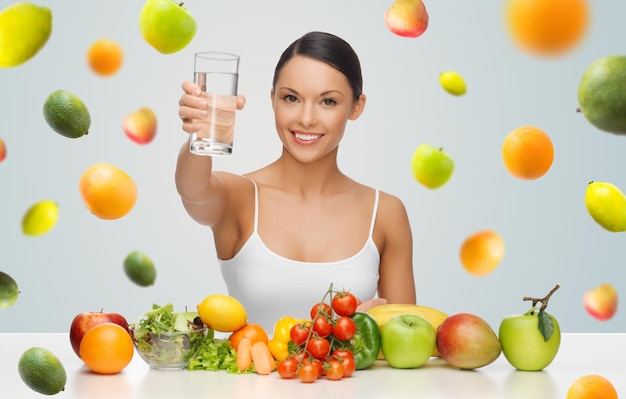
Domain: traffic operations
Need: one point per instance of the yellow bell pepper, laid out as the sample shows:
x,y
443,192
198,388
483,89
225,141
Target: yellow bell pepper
x,y
279,343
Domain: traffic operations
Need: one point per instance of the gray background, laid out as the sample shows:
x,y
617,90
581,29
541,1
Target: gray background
x,y
549,235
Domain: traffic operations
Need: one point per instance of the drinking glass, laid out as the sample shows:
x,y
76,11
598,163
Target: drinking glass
x,y
216,73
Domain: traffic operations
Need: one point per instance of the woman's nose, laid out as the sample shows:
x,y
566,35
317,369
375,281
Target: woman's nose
x,y
307,115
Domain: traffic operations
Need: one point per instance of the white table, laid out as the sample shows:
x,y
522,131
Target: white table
x,y
580,354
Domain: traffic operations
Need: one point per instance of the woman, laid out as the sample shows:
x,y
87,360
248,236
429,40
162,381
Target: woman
x,y
285,232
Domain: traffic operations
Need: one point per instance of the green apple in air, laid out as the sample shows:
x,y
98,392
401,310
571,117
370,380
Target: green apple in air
x,y
432,167
407,341
166,25
531,341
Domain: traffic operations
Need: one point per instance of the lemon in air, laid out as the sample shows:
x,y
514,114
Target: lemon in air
x,y
607,205
139,268
40,218
42,371
222,313
8,291
453,83
24,30
67,114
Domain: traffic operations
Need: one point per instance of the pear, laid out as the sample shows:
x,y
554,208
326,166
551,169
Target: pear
x,y
602,94
607,205
407,18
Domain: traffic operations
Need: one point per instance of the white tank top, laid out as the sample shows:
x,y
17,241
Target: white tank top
x,y
271,286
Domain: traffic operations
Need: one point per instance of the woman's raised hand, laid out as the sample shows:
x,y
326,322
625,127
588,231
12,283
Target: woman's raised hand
x,y
192,105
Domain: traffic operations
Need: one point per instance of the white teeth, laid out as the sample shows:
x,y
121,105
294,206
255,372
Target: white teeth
x,y
307,137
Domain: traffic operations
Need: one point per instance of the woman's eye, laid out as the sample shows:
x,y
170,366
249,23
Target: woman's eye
x,y
290,98
329,101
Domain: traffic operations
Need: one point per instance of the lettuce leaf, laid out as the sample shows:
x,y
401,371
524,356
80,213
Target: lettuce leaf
x,y
216,354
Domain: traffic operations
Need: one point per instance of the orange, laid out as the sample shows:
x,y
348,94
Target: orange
x,y
107,191
547,27
481,252
591,387
105,57
527,152
106,348
254,332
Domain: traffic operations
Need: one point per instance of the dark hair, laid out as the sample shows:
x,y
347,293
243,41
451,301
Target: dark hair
x,y
330,49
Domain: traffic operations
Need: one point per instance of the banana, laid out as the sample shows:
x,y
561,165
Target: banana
x,y
384,313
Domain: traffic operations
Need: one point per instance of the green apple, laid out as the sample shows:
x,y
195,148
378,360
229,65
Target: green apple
x,y
431,167
531,341
166,25
407,341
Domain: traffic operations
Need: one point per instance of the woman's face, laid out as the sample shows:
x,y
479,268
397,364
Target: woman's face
x,y
312,103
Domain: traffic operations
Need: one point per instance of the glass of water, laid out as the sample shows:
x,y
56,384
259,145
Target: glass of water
x,y
216,73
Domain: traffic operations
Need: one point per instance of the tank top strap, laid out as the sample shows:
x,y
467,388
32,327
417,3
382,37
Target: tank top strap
x,y
256,206
374,213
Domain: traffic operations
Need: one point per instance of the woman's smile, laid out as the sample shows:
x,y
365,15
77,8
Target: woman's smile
x,y
306,137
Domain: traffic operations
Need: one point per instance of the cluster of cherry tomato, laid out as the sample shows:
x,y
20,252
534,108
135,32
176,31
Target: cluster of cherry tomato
x,y
320,347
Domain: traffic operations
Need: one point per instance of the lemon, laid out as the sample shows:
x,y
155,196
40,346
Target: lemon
x,y
24,30
67,114
453,83
222,313
42,371
607,205
140,269
40,218
8,291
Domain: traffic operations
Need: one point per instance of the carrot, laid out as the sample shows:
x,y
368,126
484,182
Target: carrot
x,y
262,358
244,356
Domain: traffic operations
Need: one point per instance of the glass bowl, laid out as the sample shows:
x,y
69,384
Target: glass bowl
x,y
167,350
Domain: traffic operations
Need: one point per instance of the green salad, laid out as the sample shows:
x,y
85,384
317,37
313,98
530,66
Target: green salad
x,y
167,338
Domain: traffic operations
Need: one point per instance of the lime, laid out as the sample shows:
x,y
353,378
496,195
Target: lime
x,y
140,269
42,371
602,94
453,83
24,30
66,114
8,291
40,218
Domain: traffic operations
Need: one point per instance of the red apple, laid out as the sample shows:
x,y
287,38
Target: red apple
x,y
601,301
3,150
467,342
84,321
141,125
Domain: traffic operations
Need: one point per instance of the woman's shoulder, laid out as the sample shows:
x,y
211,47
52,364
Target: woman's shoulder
x,y
389,205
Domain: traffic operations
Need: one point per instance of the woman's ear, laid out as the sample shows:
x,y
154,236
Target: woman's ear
x,y
272,99
358,107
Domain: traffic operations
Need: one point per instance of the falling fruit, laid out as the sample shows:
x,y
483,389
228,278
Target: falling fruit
x,y
606,204
432,167
601,301
105,57
602,94
527,152
8,291
3,150
453,83
140,269
24,29
407,18
107,191
40,218
140,126
547,27
166,25
66,114
482,252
